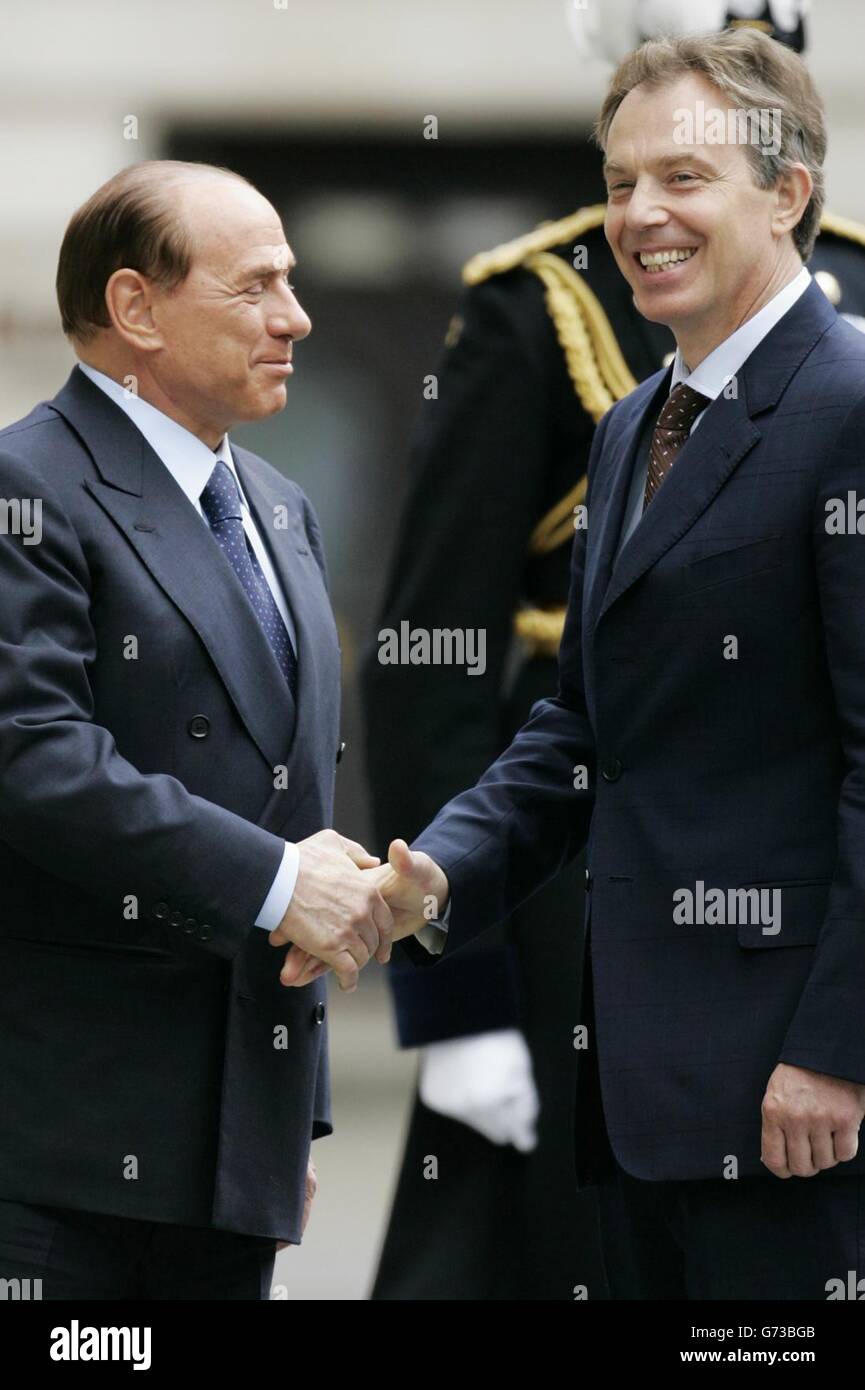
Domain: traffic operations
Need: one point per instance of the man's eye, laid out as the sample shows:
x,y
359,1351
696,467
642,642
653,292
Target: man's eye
x,y
690,177
615,187
255,289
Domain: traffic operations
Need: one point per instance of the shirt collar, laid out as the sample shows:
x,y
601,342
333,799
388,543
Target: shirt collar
x,y
724,361
188,459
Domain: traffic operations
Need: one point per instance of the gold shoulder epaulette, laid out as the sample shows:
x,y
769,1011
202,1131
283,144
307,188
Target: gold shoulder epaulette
x,y
840,226
512,253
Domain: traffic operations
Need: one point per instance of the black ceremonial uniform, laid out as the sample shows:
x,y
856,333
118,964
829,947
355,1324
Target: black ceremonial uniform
x,y
536,353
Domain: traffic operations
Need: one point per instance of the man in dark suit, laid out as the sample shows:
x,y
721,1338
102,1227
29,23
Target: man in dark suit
x,y
169,721
545,338
706,738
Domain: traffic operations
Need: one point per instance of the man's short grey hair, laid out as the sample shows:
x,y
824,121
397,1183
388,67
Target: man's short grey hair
x,y
753,73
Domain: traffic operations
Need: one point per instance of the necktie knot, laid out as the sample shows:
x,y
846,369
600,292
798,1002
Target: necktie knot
x,y
681,409
220,499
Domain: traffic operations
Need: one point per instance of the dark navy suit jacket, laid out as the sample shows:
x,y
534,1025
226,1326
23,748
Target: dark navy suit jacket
x,y
151,1065
727,762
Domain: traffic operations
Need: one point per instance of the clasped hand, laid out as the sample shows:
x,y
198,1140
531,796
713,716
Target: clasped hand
x,y
348,907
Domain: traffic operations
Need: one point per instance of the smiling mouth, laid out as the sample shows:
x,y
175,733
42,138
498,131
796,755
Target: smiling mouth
x,y
663,263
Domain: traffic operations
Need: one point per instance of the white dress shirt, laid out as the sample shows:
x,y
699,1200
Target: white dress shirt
x,y
713,374
190,463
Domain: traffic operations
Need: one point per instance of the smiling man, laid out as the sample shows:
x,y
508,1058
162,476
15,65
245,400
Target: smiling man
x,y
169,729
686,222
708,730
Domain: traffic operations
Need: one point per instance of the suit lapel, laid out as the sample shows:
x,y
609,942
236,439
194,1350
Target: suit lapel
x,y
609,506
281,527
725,436
139,494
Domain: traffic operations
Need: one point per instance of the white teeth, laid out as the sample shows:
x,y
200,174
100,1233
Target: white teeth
x,y
653,260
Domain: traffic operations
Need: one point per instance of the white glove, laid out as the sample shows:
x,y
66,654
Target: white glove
x,y
486,1082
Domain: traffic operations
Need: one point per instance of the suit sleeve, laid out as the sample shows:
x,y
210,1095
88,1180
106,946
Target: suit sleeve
x,y
827,1032
480,466
69,803
525,819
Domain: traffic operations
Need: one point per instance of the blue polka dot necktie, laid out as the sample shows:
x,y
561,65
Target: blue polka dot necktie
x,y
680,410
220,502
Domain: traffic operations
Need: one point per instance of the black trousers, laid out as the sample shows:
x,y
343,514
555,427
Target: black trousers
x,y
748,1238
87,1255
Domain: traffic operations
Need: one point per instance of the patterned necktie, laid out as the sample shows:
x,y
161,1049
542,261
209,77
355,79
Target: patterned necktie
x,y
681,409
220,502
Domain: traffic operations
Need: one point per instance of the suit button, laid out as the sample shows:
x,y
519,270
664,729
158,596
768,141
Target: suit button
x,y
588,882
339,752
318,1013
176,919
612,770
161,911
205,932
199,726
189,925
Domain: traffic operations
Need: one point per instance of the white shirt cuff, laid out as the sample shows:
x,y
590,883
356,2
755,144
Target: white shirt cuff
x,y
434,934
275,905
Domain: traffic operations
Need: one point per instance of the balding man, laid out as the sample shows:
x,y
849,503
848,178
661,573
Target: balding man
x,y
169,705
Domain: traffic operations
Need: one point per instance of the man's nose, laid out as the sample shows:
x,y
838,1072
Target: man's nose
x,y
290,321
645,206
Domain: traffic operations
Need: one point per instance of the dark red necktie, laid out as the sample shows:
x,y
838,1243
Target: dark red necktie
x,y
681,409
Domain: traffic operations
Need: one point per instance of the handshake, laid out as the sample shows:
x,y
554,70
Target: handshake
x,y
348,907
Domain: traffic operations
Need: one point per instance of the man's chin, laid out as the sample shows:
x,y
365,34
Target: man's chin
x,y
653,312
265,403
668,309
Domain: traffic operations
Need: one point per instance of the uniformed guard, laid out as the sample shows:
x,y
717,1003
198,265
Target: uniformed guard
x,y
544,341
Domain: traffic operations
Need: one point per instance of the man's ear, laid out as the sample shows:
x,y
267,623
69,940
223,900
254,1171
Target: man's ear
x,y
129,301
792,192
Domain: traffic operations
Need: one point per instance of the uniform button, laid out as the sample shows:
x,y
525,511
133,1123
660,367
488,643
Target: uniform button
x,y
318,1013
189,925
205,932
176,919
612,770
161,911
339,752
199,726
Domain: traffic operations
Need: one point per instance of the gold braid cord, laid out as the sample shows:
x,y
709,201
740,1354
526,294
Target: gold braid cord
x,y
601,377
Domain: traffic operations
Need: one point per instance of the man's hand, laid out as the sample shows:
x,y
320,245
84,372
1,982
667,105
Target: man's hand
x,y
336,914
311,1189
810,1121
414,887
486,1082
415,890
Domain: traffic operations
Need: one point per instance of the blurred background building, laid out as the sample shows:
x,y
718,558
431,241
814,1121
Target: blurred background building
x,y
395,138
